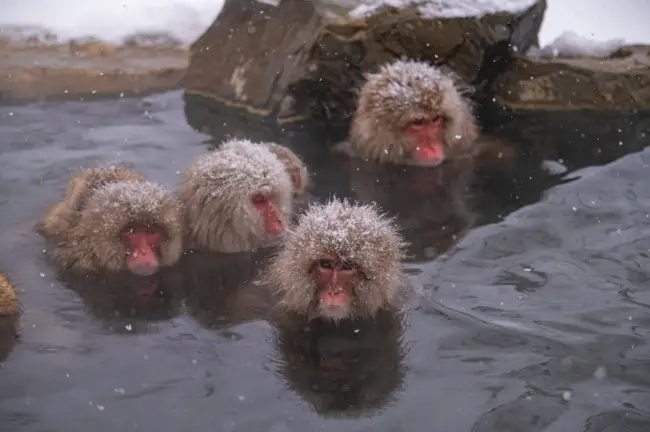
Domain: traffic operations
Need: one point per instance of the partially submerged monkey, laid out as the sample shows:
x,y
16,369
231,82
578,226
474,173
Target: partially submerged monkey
x,y
411,113
340,261
236,198
112,219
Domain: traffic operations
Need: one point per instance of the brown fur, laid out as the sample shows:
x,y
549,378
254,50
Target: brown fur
x,y
216,196
9,316
9,307
295,167
354,232
62,215
100,203
400,93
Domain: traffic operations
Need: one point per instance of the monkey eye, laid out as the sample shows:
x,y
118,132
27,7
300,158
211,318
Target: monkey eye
x,y
418,122
259,199
326,264
347,265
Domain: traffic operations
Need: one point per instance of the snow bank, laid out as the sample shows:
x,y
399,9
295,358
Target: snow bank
x,y
570,44
111,20
445,8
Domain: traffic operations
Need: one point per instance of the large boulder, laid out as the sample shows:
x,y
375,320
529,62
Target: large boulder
x,y
35,65
296,59
619,81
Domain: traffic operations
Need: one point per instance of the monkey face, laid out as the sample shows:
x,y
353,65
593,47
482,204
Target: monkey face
x,y
142,248
336,282
428,139
274,220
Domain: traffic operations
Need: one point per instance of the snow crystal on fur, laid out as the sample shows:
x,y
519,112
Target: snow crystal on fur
x,y
217,195
357,233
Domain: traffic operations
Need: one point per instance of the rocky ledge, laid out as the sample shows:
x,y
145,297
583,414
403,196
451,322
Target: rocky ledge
x,y
619,81
295,59
36,67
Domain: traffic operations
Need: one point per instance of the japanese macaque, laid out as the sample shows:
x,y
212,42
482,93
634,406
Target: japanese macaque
x,y
223,290
112,219
236,198
340,261
412,113
350,370
9,315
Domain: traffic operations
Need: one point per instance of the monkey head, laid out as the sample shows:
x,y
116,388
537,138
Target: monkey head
x,y
125,225
236,198
411,113
340,261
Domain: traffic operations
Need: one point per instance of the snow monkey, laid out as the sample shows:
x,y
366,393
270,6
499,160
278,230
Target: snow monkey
x,y
411,113
112,219
236,198
340,261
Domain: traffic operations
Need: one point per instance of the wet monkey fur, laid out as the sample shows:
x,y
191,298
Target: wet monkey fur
x,y
340,261
236,198
112,219
411,113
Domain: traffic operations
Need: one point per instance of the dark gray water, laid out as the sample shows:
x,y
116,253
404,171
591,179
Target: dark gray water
x,y
536,320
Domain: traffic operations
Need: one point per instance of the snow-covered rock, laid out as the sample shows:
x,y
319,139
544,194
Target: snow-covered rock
x,y
306,58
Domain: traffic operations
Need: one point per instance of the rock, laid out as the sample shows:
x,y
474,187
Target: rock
x,y
303,59
620,81
36,69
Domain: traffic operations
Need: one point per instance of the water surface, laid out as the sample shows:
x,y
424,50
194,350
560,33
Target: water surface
x,y
530,313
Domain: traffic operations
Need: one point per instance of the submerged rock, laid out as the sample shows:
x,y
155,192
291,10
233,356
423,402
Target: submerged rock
x,y
619,81
295,59
36,65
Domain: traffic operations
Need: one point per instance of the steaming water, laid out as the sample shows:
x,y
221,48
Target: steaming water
x,y
537,321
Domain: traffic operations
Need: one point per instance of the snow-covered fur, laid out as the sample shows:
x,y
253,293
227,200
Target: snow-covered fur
x,y
100,204
63,215
216,195
355,233
400,93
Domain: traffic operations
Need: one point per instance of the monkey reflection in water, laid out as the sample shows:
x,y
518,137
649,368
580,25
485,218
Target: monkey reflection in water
x,y
225,289
431,206
350,370
125,302
340,284
9,316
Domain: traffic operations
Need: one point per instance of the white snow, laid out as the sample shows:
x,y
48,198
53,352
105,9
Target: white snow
x,y
112,20
570,44
445,8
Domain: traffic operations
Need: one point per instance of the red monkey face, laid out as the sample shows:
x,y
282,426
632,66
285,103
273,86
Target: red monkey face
x,y
335,280
273,219
142,257
428,137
